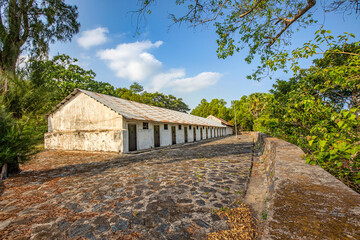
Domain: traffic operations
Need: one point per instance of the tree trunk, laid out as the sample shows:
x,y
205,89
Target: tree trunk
x,y
4,171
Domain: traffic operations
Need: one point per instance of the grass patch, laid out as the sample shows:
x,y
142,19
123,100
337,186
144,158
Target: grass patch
x,y
264,215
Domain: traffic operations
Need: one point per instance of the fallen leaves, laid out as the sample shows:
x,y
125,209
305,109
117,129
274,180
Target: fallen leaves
x,y
243,225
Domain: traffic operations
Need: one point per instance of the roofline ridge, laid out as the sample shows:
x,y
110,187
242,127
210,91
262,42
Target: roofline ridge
x,y
163,108
124,114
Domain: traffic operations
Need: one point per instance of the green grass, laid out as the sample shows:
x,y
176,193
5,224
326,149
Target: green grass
x,y
264,215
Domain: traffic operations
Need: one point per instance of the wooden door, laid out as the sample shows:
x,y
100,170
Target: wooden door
x,y
211,132
201,136
173,134
207,134
194,134
186,134
132,137
157,136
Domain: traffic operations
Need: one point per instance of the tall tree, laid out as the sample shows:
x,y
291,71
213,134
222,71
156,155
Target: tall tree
x,y
32,25
216,107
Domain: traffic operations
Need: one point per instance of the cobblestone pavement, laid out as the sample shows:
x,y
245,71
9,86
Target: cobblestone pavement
x,y
171,193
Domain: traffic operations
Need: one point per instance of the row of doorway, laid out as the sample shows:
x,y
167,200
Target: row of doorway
x,y
133,135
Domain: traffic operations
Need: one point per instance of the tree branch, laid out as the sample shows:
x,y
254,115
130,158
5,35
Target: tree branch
x,y
217,14
25,17
3,33
288,22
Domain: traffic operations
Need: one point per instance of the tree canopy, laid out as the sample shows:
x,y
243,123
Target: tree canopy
x,y
263,26
62,75
31,25
216,107
318,109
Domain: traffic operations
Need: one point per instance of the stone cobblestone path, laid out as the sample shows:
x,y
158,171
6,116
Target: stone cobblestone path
x,y
170,193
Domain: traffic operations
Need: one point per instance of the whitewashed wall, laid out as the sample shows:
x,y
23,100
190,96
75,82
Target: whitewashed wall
x,y
108,141
84,124
84,113
145,137
165,135
229,131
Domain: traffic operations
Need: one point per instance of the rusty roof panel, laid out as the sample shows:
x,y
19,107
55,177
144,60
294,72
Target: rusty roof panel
x,y
144,112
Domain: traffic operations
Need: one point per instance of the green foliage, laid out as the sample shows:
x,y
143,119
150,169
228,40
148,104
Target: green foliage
x,y
264,215
15,139
61,75
318,109
251,111
215,107
32,26
136,93
263,27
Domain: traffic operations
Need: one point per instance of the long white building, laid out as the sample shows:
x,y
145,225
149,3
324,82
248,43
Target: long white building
x,y
96,122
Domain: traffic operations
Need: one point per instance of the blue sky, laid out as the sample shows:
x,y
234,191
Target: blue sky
x,y
181,61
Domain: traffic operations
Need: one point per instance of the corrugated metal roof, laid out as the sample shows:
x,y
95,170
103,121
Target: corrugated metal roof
x,y
221,120
143,112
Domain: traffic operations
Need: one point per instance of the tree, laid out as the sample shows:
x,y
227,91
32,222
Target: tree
x,y
318,109
136,88
62,75
136,93
251,111
216,107
16,142
265,26
244,119
32,25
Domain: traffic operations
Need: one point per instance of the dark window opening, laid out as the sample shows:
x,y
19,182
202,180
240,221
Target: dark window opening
x,y
166,127
197,127
145,125
190,127
179,127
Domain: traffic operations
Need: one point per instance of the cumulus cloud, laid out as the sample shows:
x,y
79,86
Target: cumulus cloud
x,y
132,61
93,37
162,80
175,79
191,84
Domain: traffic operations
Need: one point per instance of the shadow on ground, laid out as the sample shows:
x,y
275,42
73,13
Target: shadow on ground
x,y
170,193
176,154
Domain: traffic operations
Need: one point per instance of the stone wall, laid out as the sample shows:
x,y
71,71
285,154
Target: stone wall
x,y
304,201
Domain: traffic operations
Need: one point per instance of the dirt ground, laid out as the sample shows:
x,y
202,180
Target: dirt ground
x,y
171,193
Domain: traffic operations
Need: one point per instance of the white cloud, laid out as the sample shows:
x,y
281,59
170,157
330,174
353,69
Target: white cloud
x,y
191,84
132,61
93,37
161,80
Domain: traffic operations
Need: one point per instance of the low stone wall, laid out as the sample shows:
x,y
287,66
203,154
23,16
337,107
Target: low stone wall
x,y
110,141
304,201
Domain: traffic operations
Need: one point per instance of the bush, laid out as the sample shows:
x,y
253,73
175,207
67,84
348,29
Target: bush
x,y
15,142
